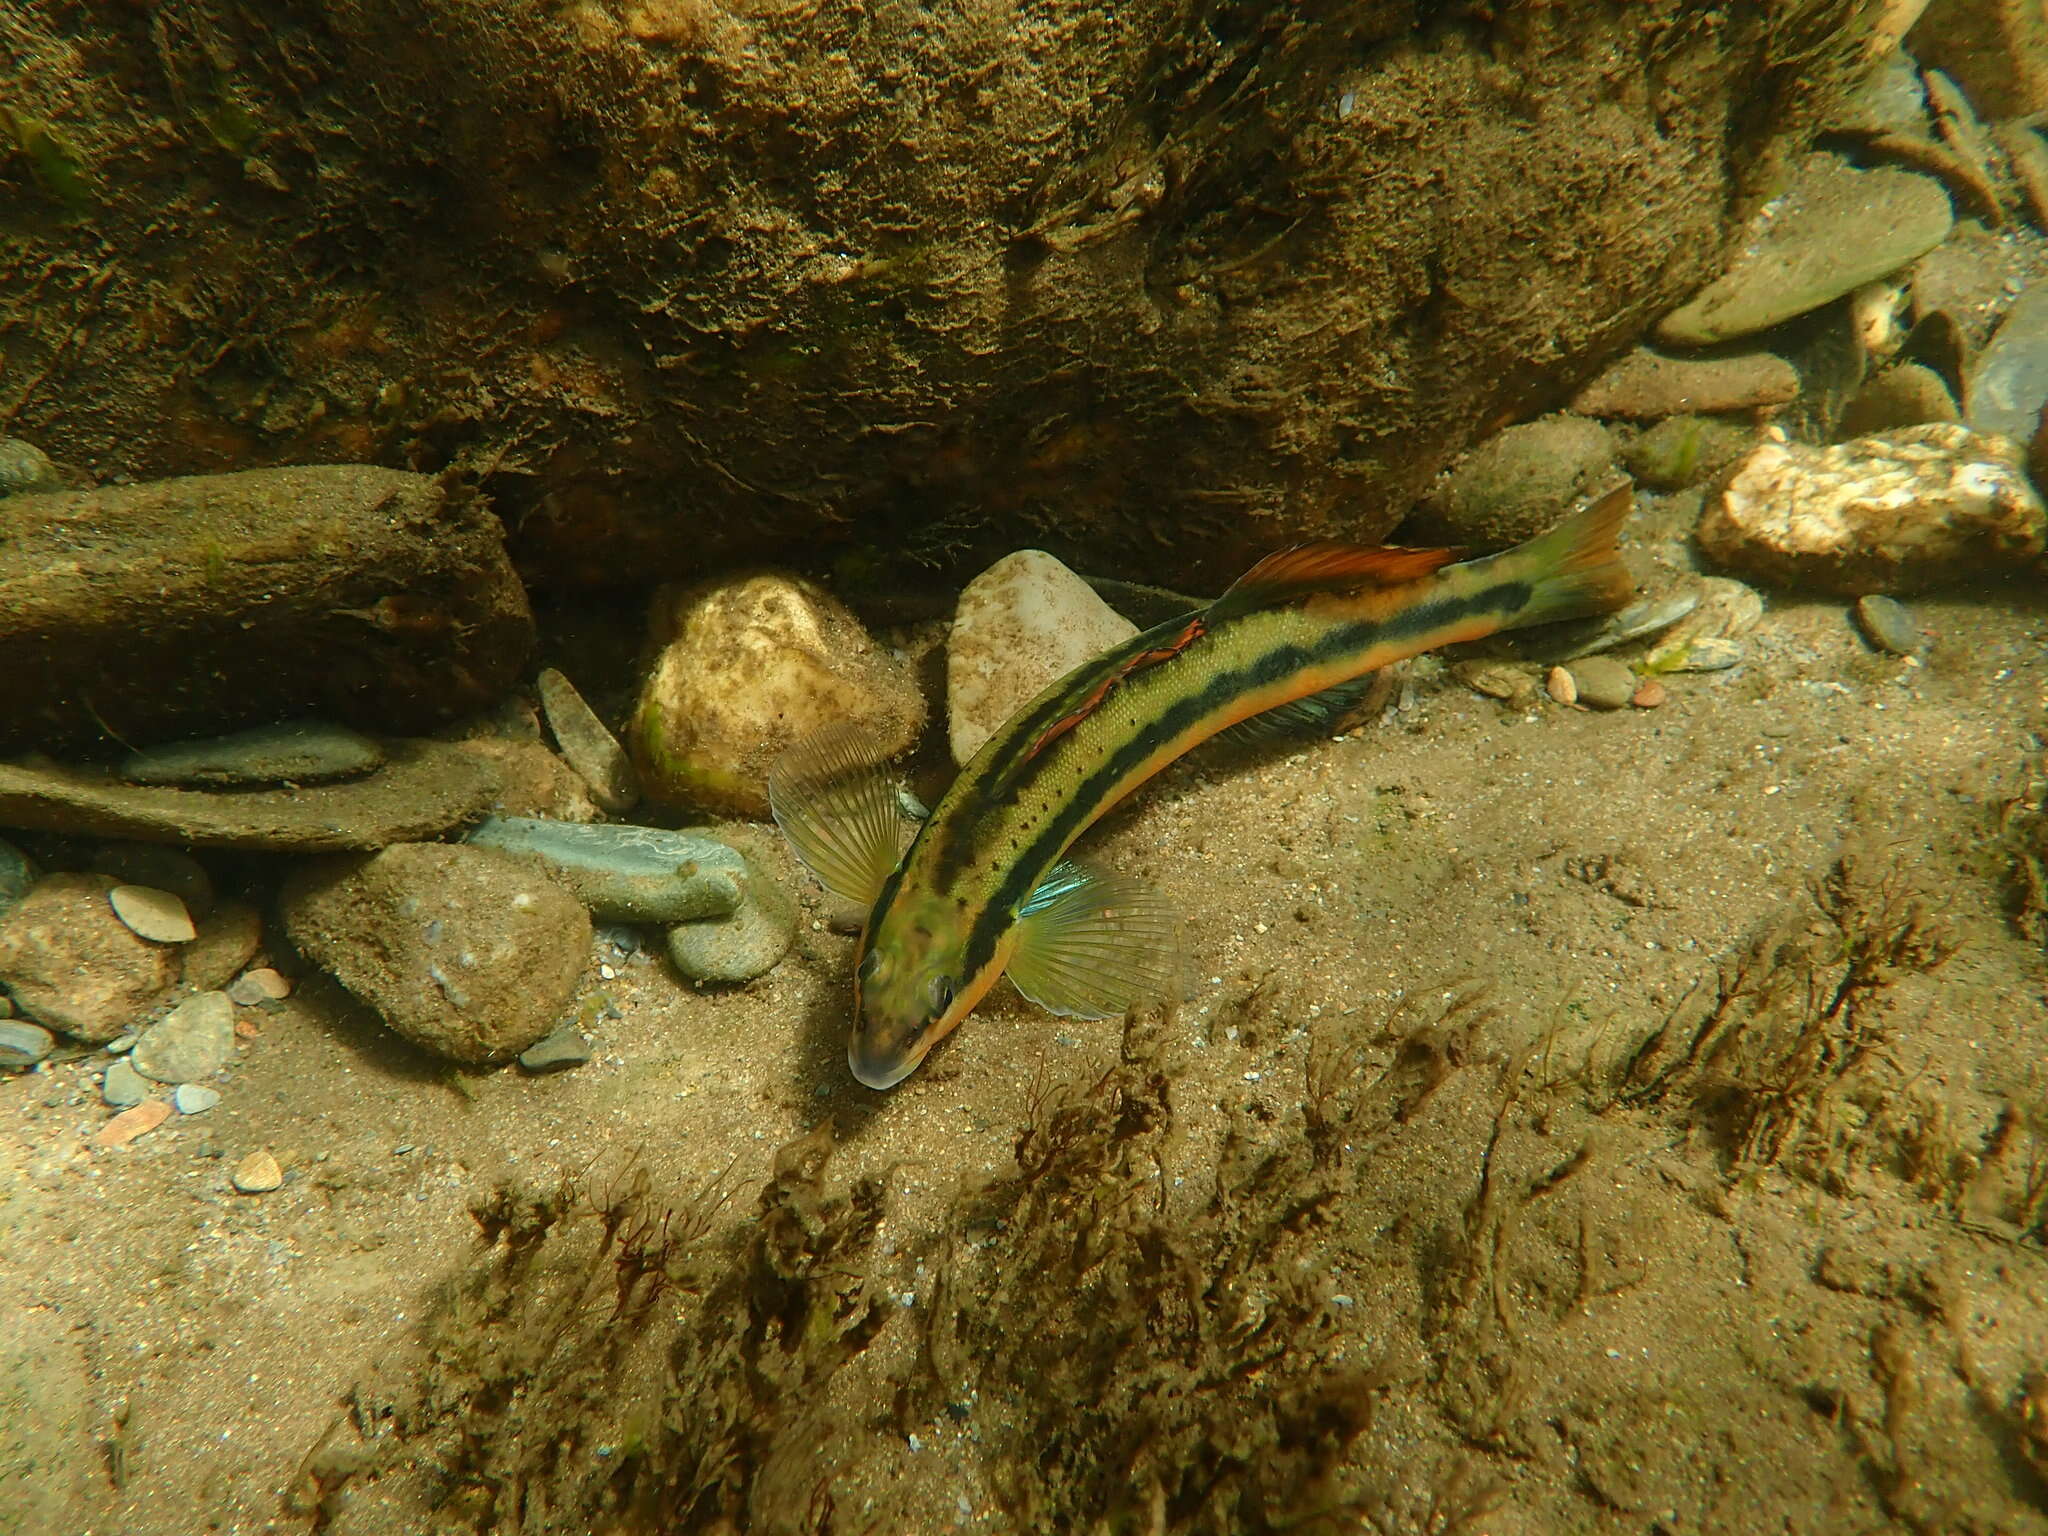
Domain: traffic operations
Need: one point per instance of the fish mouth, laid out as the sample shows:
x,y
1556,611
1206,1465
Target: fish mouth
x,y
878,1069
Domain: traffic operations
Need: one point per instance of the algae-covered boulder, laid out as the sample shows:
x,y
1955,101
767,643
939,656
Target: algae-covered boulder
x,y
1151,286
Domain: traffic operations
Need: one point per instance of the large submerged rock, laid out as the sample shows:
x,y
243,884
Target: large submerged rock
x,y
1154,286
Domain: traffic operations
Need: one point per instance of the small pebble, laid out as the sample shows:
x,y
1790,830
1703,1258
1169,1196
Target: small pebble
x,y
1601,682
263,985
1649,694
123,1085
131,1123
1559,685
194,1098
23,1045
123,1043
557,1051
153,914
258,1173
1888,624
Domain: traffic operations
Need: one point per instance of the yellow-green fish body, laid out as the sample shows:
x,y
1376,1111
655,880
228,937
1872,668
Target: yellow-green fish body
x,y
984,887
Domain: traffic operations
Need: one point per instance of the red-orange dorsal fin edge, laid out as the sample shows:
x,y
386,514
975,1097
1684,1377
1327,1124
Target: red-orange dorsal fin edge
x,y
1195,628
1329,565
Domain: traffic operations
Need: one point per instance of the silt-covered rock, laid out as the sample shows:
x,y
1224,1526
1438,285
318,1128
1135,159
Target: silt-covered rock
x,y
466,952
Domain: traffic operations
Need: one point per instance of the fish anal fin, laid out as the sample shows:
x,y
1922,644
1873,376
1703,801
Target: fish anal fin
x,y
839,810
1330,565
1090,945
1316,714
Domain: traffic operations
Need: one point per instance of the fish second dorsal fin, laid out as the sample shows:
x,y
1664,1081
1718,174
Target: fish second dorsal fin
x,y
840,810
1327,565
1091,944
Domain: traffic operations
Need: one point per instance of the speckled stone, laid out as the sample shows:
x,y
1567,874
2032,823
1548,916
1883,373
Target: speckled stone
x,y
194,1040
625,874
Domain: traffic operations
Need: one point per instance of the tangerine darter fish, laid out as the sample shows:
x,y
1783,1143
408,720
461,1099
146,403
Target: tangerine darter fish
x,y
984,887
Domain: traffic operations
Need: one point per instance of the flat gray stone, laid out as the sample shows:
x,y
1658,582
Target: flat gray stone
x,y
23,1045
123,1086
731,950
17,874
562,1048
626,874
587,746
194,1040
2009,383
1835,229
427,788
194,1098
298,752
1888,624
158,916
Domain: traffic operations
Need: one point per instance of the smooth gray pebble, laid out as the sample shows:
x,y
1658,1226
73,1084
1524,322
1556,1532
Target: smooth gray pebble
x,y
1888,624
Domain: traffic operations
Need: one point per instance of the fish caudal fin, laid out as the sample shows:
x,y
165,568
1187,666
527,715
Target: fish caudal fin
x,y
1574,571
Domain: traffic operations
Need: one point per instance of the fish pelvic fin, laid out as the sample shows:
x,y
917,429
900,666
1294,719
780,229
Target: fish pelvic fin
x,y
1091,945
840,811
1574,571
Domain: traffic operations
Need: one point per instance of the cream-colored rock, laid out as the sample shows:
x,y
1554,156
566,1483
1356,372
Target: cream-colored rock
x,y
1023,623
744,669
1895,512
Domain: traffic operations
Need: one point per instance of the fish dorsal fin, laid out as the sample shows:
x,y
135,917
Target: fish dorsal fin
x,y
840,811
1091,944
1325,566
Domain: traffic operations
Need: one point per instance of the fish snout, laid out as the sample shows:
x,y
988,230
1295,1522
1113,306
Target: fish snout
x,y
877,1065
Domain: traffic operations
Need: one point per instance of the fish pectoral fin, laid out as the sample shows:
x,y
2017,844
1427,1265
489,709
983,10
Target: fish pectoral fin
x,y
839,809
1091,944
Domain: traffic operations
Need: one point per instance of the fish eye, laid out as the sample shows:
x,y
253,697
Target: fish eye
x,y
941,994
